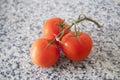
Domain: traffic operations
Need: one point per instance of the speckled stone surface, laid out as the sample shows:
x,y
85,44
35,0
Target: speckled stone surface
x,y
21,22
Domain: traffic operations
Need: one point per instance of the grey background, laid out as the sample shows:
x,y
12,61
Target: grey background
x,y
21,22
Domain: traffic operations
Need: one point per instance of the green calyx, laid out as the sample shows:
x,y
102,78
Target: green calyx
x,y
76,34
51,42
62,25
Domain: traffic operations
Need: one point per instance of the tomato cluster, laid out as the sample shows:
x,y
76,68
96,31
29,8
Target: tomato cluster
x,y
75,45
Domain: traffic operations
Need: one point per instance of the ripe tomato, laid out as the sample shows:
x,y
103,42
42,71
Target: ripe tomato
x,y
77,47
42,54
52,27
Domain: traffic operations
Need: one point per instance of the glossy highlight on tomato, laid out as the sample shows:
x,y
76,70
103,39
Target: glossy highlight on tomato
x,y
43,53
76,47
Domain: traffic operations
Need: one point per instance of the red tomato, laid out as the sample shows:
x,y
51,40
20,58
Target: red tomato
x,y
52,27
42,54
77,47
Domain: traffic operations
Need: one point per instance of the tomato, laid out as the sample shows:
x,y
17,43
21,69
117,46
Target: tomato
x,y
76,47
53,27
43,54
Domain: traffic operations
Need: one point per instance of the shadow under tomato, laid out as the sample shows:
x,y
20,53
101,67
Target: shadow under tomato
x,y
65,64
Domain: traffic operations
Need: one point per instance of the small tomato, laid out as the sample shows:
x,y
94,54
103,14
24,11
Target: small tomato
x,y
43,53
76,47
53,27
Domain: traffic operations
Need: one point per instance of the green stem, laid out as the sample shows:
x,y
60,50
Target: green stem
x,y
89,19
75,30
60,35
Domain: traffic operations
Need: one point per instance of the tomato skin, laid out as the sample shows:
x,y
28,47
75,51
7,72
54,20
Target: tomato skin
x,y
76,48
42,54
52,28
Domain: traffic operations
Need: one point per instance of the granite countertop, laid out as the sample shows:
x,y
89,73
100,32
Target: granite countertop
x,y
21,22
